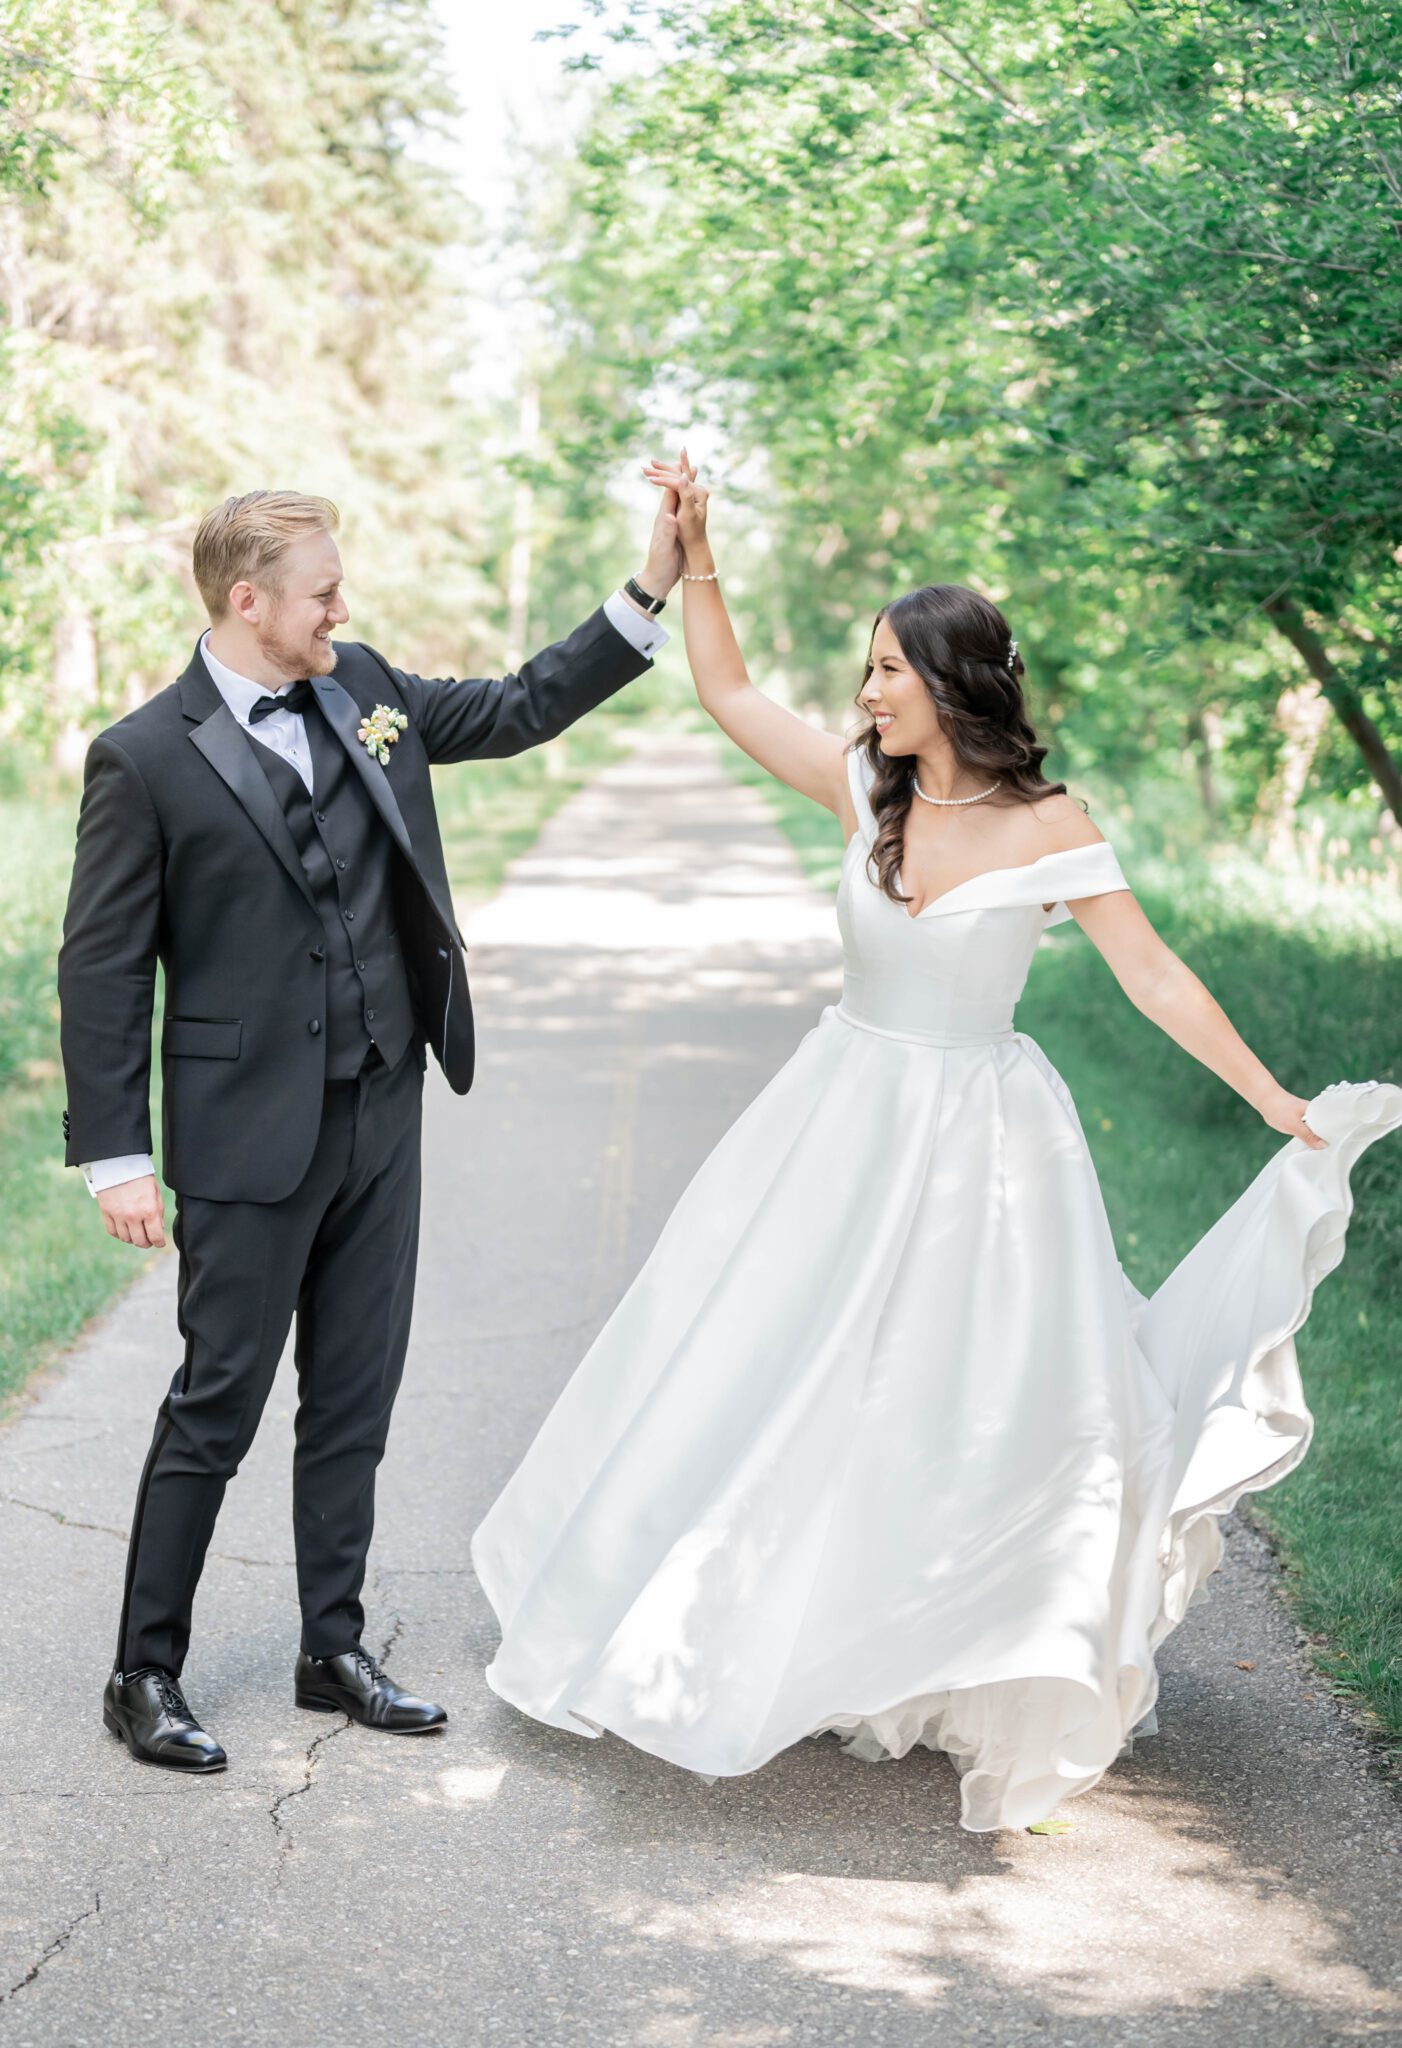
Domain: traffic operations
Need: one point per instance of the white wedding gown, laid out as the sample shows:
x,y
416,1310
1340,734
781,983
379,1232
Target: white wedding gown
x,y
882,1439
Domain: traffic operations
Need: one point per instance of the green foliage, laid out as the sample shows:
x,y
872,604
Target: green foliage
x,y
1089,305
99,81
224,264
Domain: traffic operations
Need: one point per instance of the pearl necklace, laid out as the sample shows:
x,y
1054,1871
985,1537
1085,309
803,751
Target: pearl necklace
x,y
952,799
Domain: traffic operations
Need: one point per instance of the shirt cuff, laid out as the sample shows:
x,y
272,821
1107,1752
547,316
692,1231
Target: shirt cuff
x,y
110,1173
643,633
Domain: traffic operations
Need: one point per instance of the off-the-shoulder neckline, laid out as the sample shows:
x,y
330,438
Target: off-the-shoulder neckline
x,y
1024,867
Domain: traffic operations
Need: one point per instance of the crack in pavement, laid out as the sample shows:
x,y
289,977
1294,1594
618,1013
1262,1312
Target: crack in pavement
x,y
37,1414
427,1571
281,1829
309,1764
65,1521
261,1564
53,1948
258,1564
70,1443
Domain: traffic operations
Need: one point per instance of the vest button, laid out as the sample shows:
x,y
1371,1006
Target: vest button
x,y
340,864
315,1026
369,1016
360,966
321,817
349,916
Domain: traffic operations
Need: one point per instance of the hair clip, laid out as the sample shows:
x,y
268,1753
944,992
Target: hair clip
x,y
1012,656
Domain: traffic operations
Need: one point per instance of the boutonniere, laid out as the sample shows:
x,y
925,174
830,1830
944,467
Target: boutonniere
x,y
379,731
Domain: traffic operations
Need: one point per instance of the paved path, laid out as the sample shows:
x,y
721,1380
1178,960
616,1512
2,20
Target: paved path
x,y
643,972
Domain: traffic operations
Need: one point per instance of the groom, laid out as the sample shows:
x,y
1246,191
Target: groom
x,y
264,828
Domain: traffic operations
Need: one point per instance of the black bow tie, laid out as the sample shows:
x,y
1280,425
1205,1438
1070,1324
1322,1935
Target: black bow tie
x,y
296,697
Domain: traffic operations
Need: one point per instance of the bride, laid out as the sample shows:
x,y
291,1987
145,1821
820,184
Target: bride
x,y
882,1440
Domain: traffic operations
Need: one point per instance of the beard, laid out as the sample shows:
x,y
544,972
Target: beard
x,y
295,659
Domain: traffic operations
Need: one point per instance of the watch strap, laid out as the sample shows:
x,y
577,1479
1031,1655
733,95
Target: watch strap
x,y
651,605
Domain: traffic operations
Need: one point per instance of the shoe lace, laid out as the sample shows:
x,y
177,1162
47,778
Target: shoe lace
x,y
369,1666
171,1697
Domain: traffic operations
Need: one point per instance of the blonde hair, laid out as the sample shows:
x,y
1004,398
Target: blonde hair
x,y
247,537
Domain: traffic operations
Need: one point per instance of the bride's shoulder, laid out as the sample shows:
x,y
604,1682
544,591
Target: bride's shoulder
x,y
1063,823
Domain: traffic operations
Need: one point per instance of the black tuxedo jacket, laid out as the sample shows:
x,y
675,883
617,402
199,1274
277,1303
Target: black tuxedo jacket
x,y
184,857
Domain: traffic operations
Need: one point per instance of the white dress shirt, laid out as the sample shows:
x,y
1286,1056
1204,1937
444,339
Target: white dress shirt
x,y
281,732
285,733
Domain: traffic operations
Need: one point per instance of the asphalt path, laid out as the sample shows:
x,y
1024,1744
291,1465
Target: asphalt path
x,y
642,973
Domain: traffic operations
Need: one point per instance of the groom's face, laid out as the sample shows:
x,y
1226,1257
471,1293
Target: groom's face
x,y
298,620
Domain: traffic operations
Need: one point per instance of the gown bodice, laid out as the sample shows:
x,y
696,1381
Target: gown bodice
x,y
952,974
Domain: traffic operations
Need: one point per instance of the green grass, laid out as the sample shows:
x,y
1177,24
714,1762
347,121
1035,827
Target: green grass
x,y
1313,981
58,1267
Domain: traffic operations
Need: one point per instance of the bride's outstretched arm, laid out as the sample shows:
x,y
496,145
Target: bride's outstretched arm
x,y
807,759
1163,986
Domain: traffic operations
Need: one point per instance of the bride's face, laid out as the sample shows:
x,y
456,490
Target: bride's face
x,y
897,699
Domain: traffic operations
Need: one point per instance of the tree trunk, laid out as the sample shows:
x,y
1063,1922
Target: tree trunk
x,y
1386,772
73,687
1205,732
1301,713
518,575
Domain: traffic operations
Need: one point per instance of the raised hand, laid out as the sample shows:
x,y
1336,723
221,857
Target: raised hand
x,y
665,550
683,496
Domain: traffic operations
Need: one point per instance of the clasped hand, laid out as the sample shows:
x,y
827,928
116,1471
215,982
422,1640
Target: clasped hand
x,y
683,508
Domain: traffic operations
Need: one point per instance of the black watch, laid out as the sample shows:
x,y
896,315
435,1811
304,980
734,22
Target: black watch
x,y
651,605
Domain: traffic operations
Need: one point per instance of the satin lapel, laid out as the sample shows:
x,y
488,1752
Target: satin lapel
x,y
344,715
228,750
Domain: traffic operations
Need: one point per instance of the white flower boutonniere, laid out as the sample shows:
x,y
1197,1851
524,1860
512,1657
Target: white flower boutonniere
x,y
380,730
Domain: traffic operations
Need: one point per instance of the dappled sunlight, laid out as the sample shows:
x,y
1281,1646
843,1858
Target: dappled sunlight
x,y
471,1784
462,1785
554,985
1052,1924
654,1661
630,899
621,919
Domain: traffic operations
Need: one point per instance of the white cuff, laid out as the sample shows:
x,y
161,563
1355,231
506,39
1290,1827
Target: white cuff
x,y
110,1173
643,633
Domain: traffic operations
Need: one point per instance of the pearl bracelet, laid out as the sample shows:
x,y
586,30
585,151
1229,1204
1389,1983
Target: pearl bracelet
x,y
711,577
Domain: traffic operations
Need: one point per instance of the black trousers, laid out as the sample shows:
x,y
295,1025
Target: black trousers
x,y
339,1253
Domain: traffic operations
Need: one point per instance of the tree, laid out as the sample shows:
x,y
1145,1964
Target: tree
x,y
1089,304
225,269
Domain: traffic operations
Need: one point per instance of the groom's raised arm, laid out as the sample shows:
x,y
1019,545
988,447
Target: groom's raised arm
x,y
483,720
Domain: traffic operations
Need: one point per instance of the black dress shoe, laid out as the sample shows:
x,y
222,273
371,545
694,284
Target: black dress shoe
x,y
354,1684
147,1710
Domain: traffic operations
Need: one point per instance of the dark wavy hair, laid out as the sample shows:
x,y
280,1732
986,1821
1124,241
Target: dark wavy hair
x,y
958,644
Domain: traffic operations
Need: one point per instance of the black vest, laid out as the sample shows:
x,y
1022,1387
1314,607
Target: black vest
x,y
348,858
